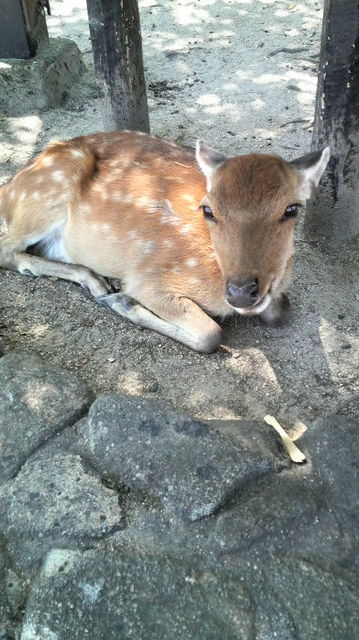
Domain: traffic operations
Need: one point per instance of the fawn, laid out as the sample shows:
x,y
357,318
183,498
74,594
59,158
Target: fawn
x,y
190,236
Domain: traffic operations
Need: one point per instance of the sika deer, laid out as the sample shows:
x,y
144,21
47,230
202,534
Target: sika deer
x,y
190,236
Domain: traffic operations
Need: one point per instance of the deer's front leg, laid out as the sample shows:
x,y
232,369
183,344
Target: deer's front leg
x,y
31,265
175,317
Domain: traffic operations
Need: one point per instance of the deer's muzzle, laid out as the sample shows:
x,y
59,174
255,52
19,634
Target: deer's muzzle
x,y
244,295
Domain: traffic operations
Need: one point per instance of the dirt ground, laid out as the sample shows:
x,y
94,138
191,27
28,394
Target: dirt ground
x,y
240,74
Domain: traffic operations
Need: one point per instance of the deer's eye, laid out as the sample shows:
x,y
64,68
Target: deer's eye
x,y
208,213
291,211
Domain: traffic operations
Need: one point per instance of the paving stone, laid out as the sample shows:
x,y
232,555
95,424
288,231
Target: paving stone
x,y
55,502
37,400
191,469
110,596
13,593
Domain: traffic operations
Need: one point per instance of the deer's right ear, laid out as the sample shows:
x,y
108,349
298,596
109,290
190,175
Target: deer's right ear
x,y
208,160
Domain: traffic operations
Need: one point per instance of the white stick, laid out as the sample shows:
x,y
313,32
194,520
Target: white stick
x,y
295,454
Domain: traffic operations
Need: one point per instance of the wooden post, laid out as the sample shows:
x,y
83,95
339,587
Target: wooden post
x,y
116,41
22,27
334,213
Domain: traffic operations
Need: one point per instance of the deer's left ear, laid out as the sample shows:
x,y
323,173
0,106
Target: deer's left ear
x,y
310,169
208,160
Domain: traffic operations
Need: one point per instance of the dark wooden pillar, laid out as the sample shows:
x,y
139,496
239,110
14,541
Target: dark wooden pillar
x,y
334,213
22,27
116,41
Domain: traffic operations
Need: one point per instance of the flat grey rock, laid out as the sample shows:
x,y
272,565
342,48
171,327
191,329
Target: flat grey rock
x,y
279,516
191,469
298,600
12,594
42,82
116,596
5,607
332,443
55,502
37,400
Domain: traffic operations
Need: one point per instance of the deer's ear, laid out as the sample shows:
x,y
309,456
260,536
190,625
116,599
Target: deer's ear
x,y
310,169
208,160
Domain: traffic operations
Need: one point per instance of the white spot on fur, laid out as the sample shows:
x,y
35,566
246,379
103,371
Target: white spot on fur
x,y
168,243
58,176
127,199
186,229
188,197
22,196
48,161
192,262
143,201
36,195
148,247
76,153
101,190
85,209
117,195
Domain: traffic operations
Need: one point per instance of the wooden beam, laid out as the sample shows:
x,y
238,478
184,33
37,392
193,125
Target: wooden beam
x,y
22,27
117,46
334,214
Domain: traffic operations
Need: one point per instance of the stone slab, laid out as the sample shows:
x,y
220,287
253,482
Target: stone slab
x,y
191,469
42,82
55,502
37,400
111,596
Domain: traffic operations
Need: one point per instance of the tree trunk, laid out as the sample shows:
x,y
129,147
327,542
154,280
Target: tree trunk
x,y
333,215
116,41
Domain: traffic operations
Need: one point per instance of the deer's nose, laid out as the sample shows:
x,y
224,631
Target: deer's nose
x,y
242,294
